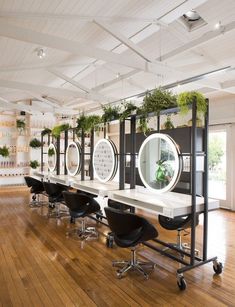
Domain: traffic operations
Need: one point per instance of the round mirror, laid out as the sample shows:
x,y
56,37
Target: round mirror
x,y
159,163
104,160
73,158
52,157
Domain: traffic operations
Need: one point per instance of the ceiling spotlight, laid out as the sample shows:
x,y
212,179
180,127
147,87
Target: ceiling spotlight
x,y
41,53
118,75
218,25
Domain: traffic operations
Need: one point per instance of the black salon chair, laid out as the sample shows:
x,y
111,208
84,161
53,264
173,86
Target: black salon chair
x,y
180,224
80,206
36,188
116,205
130,230
55,196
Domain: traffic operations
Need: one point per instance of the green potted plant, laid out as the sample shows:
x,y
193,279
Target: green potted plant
x,y
34,164
4,151
51,152
185,100
35,143
158,100
57,130
128,109
45,131
168,123
110,113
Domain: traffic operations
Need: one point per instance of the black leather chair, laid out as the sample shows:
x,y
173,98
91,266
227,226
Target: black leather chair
x,y
55,196
81,205
129,230
179,224
36,188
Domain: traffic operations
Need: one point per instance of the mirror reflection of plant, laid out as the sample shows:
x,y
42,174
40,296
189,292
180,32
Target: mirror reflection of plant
x,y
46,131
186,99
57,130
4,151
20,124
128,109
35,143
158,100
51,152
34,164
110,113
164,171
167,155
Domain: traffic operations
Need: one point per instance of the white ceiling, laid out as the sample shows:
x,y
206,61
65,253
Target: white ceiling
x,y
100,51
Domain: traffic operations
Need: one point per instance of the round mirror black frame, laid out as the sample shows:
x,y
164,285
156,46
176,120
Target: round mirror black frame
x,y
79,151
52,168
177,158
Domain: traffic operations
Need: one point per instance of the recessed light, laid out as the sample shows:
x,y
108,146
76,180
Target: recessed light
x,y
40,52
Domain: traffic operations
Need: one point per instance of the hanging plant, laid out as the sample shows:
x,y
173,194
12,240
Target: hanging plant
x,y
51,152
168,123
34,164
158,100
57,130
110,113
87,123
129,109
46,131
20,124
186,99
35,143
4,152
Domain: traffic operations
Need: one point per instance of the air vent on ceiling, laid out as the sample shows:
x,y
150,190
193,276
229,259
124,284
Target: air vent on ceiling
x,y
192,20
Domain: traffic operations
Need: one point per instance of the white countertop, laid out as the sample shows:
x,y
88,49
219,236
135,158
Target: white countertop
x,y
169,204
96,187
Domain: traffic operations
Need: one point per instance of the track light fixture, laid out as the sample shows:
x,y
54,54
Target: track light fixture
x,y
41,53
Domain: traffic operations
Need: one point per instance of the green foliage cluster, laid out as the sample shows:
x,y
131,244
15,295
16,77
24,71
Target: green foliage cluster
x,y
168,123
110,113
34,164
215,152
4,151
158,100
87,123
128,109
35,143
20,124
46,131
51,152
186,99
57,130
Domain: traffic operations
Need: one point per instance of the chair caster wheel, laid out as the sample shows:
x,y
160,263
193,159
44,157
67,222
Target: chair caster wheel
x,y
218,267
109,240
119,275
146,277
181,282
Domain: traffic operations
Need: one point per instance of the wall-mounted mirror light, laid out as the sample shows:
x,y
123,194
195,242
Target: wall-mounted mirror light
x,y
52,157
159,163
73,158
104,160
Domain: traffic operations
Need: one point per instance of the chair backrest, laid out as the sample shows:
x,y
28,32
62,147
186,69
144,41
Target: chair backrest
x,y
33,182
76,202
53,189
177,223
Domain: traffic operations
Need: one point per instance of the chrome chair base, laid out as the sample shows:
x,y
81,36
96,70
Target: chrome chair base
x,y
54,211
84,233
134,264
36,202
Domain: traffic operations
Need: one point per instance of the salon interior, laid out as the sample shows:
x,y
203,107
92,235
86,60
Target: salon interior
x,y
117,129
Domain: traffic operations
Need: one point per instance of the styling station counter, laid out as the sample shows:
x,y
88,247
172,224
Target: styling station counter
x,y
169,204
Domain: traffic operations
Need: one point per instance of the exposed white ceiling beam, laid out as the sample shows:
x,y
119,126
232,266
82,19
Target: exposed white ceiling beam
x,y
126,41
90,93
42,89
198,41
26,35
228,84
46,101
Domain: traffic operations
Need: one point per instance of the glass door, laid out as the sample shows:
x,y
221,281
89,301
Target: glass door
x,y
219,160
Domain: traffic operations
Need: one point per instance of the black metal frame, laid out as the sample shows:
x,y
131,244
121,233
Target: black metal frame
x,y
194,261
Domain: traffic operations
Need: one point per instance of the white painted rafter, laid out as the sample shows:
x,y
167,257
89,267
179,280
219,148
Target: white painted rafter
x,y
34,37
228,84
126,41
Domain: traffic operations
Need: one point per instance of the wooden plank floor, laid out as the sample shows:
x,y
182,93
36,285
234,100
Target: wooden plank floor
x,y
40,266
